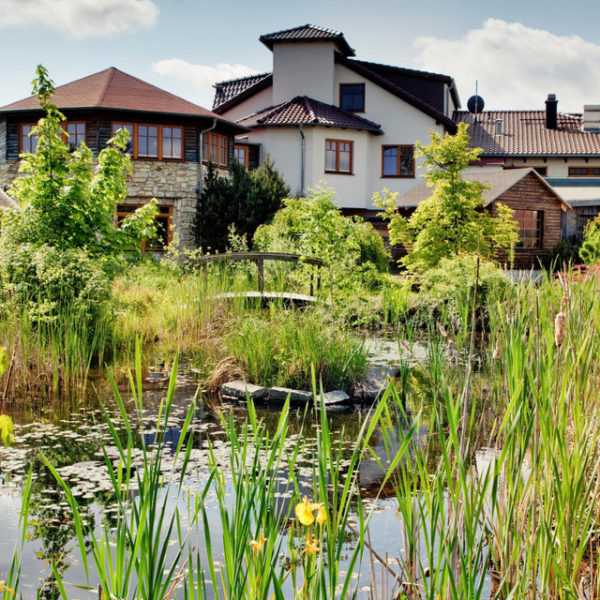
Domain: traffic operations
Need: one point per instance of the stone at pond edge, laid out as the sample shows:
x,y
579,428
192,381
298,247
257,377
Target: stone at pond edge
x,y
335,397
280,394
242,390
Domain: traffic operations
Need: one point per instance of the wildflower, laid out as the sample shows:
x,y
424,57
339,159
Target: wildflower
x,y
304,511
496,353
6,430
321,515
257,545
560,326
5,588
311,545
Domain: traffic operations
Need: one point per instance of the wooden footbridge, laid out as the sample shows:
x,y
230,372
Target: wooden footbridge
x,y
259,258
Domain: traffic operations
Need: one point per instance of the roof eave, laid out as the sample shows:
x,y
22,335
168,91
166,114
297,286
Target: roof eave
x,y
247,93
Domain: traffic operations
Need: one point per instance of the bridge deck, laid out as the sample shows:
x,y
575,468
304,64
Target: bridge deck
x,y
266,297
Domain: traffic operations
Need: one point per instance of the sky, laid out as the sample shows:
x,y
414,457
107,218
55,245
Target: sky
x,y
517,51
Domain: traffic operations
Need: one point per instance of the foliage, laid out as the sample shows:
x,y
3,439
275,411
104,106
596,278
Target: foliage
x,y
590,247
67,203
315,227
246,200
45,281
453,220
564,253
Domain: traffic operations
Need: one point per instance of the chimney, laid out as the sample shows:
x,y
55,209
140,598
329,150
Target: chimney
x,y
551,111
591,118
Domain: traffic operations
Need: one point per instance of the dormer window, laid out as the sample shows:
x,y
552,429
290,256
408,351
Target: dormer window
x,y
352,96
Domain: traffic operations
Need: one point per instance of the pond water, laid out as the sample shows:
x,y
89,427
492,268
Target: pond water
x,y
73,434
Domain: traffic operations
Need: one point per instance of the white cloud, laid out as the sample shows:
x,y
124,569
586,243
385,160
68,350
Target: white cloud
x,y
80,18
200,77
517,66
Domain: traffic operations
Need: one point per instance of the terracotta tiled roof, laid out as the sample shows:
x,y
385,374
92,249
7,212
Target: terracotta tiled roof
x,y
112,88
308,33
524,133
497,183
227,90
307,111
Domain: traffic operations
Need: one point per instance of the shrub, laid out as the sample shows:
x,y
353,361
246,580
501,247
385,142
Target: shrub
x,y
47,282
590,247
452,283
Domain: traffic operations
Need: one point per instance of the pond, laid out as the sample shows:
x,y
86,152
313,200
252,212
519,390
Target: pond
x,y
74,435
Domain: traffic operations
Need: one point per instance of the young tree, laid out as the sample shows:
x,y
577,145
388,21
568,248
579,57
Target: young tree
x,y
453,221
246,200
67,203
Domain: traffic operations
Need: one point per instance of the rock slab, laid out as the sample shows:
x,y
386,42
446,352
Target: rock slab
x,y
242,390
335,397
280,394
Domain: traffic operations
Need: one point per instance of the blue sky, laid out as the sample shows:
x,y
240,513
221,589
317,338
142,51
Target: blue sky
x,y
519,51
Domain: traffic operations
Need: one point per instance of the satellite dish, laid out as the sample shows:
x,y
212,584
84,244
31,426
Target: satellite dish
x,y
475,104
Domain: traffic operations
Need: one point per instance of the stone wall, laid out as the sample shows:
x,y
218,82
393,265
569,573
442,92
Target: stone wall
x,y
172,183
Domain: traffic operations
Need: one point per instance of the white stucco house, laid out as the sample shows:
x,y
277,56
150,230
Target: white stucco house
x,y
326,117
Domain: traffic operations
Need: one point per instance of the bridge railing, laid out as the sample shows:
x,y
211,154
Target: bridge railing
x,y
259,259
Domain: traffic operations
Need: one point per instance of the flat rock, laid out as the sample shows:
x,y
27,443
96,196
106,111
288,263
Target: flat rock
x,y
335,397
280,394
242,390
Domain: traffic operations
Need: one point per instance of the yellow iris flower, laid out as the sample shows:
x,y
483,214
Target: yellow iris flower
x,y
304,512
312,545
321,515
5,588
258,545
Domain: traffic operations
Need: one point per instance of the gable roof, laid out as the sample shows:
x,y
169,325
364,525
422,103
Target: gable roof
x,y
114,89
302,110
524,133
498,182
239,89
308,33
388,84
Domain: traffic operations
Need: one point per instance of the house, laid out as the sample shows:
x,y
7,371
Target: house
x,y
325,116
564,148
171,139
536,205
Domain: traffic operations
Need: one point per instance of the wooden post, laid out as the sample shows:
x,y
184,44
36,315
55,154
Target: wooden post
x,y
261,275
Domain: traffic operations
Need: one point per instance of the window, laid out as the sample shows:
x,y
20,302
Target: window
x,y
152,141
352,96
147,141
163,225
240,153
531,224
584,171
129,127
338,156
171,142
76,134
28,143
215,148
543,171
397,161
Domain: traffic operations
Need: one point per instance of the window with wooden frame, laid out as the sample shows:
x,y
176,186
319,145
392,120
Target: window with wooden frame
x,y
398,161
27,142
75,133
531,228
338,156
584,171
130,128
240,153
215,149
352,97
163,225
164,142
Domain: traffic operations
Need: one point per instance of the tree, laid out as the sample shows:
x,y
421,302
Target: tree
x,y
246,200
590,246
453,221
67,203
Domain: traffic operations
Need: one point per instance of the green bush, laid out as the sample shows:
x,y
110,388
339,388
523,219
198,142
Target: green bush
x,y
590,247
48,282
452,283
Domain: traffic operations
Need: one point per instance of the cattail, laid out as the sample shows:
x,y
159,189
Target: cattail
x,y
560,326
496,353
